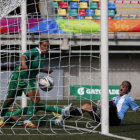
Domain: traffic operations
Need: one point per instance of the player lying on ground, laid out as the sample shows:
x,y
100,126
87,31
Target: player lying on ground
x,y
20,115
118,106
23,79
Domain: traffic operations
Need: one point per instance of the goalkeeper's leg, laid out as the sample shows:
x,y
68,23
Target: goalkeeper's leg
x,y
92,110
113,114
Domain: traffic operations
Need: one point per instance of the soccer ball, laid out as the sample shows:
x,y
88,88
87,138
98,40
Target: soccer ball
x,y
46,83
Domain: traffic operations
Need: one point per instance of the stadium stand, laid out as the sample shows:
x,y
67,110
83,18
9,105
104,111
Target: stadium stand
x,y
117,9
127,9
81,9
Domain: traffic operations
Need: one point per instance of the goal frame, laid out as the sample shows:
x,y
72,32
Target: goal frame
x,y
104,68
23,41
104,60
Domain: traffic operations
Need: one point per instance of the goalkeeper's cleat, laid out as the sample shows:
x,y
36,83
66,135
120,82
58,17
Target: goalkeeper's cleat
x,y
56,115
29,124
66,110
1,122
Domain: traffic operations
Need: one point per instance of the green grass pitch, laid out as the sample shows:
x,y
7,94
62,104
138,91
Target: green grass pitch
x,y
130,128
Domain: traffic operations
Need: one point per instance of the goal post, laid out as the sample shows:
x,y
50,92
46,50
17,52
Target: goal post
x,y
24,40
104,68
6,6
77,67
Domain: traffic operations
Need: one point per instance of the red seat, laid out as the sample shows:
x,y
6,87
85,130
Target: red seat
x,y
82,12
63,5
70,17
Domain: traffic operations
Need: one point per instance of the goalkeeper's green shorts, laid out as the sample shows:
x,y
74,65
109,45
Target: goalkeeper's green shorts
x,y
17,85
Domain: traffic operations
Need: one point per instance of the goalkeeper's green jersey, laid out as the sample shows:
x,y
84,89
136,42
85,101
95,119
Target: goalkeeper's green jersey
x,y
34,61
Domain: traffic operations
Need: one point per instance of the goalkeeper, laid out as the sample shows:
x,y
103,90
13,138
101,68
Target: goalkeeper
x,y
20,115
118,106
24,79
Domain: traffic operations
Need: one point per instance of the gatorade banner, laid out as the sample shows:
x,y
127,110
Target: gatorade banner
x,y
84,26
92,92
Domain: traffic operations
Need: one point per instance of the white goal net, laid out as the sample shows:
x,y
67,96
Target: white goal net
x,y
6,6
75,62
70,31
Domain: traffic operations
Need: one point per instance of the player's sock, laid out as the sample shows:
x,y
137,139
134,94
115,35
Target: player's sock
x,y
44,120
50,108
56,109
7,115
31,110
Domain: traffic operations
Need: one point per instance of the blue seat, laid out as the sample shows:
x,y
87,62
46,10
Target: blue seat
x,y
89,12
74,5
111,6
84,0
80,17
117,17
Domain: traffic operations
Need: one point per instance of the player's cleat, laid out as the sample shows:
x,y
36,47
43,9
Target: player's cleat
x,y
56,115
66,110
59,121
1,122
29,124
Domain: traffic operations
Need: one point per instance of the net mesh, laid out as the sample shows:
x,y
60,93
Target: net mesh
x,y
75,68
74,58
6,6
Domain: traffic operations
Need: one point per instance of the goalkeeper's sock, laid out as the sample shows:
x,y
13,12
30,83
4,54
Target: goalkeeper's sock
x,y
31,110
66,110
73,113
76,112
4,109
